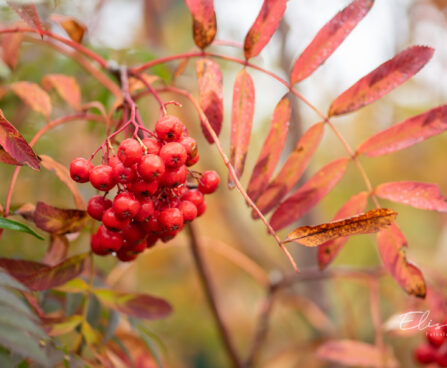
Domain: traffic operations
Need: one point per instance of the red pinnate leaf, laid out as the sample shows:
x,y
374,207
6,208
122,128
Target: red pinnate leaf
x,y
28,13
306,197
406,133
271,149
392,245
382,80
10,48
59,221
209,78
34,96
264,26
292,170
66,86
329,38
15,145
6,158
243,109
204,21
425,196
134,305
329,250
37,276
74,28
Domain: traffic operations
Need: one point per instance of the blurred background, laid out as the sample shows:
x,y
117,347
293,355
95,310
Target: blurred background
x,y
136,31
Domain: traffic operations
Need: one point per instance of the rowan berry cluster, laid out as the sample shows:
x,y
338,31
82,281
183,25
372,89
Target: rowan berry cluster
x,y
435,349
154,197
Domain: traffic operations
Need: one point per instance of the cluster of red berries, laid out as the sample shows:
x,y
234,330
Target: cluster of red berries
x,y
435,349
154,198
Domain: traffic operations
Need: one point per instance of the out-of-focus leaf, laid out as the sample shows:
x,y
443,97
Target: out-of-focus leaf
x,y
329,250
15,145
392,244
382,80
73,27
147,337
93,311
329,38
57,220
134,304
10,45
204,21
135,84
6,158
26,211
264,26
65,326
425,196
91,336
57,250
242,112
271,149
28,13
34,96
67,87
366,223
75,285
209,79
406,133
64,176
112,324
37,276
17,226
292,170
306,197
355,353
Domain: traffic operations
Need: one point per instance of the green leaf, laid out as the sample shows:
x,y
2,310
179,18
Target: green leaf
x,y
17,226
112,324
152,342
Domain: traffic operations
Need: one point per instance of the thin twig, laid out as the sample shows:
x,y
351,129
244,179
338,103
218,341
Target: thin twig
x,y
208,287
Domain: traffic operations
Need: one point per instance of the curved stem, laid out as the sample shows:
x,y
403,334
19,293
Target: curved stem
x,y
151,90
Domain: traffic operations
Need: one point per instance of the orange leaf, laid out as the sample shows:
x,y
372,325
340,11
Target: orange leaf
x,y
366,223
74,28
382,80
10,48
204,21
271,149
292,170
264,26
306,197
28,13
209,79
243,109
34,96
329,250
57,251
66,86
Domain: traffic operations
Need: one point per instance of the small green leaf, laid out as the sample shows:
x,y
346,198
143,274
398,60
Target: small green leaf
x,y
17,226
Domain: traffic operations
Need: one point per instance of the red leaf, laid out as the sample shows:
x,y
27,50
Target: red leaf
x,y
37,276
309,194
271,149
74,29
204,21
406,133
243,109
34,96
292,170
28,13
6,158
66,86
264,26
10,48
15,145
382,80
133,304
329,250
209,78
420,195
329,38
392,245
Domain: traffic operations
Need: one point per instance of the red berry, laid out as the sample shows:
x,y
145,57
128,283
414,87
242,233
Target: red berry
x,y
151,240
425,354
190,145
175,177
97,205
125,255
171,219
97,247
130,152
201,209
122,174
126,205
109,240
151,167
101,178
144,189
208,182
189,210
114,223
137,247
173,155
80,169
193,161
435,336
169,128
194,196
132,234
152,146
146,210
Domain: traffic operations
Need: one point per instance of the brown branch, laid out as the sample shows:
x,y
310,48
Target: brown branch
x,y
209,290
